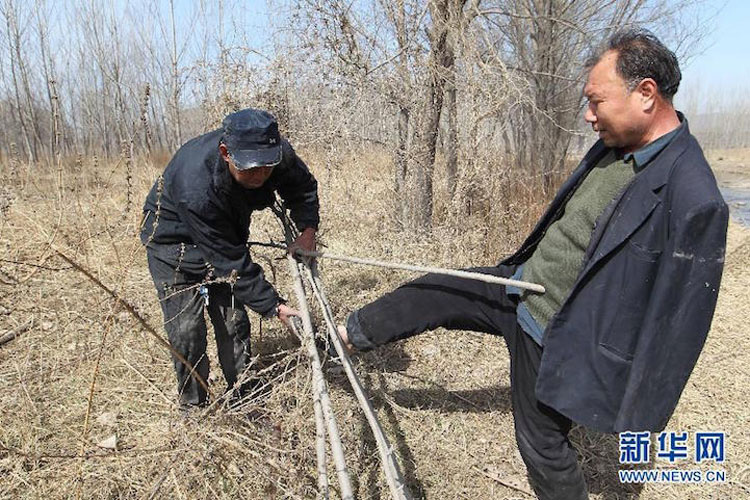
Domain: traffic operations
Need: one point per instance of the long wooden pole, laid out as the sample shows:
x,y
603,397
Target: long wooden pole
x,y
487,278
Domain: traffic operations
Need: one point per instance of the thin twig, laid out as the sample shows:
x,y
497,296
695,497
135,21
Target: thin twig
x,y
98,454
153,386
39,266
505,483
109,322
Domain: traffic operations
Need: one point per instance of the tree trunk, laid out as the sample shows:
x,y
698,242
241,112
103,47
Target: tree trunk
x,y
400,164
440,66
176,87
10,21
451,142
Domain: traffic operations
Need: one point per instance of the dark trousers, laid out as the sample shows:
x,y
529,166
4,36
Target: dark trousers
x,y
178,271
434,301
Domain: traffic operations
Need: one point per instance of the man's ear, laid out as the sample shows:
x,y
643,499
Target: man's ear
x,y
648,91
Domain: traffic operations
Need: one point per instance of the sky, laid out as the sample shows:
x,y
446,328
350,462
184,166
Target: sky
x,y
724,65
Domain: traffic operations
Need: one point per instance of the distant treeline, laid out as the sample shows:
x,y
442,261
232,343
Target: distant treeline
x,y
455,89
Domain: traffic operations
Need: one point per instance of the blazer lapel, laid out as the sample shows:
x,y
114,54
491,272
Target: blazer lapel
x,y
622,219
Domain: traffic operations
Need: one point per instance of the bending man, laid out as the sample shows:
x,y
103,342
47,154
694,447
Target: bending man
x,y
196,227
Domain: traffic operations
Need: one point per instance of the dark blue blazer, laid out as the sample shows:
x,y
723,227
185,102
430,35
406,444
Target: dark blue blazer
x,y
619,352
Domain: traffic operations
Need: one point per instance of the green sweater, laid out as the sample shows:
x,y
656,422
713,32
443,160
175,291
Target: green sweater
x,y
558,258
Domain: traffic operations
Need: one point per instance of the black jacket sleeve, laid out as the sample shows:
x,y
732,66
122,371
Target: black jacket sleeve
x,y
211,229
299,190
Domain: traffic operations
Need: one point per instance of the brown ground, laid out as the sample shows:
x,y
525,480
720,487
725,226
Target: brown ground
x,y
732,167
443,397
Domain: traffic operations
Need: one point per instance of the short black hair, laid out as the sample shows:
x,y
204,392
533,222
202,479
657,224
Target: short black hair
x,y
641,55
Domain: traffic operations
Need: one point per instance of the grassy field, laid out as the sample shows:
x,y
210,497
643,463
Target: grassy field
x,y
85,370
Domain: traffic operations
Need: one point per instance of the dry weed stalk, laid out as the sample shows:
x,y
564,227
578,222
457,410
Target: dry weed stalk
x,y
128,307
90,403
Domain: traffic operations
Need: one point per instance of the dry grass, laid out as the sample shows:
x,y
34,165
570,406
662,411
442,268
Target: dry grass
x,y
442,397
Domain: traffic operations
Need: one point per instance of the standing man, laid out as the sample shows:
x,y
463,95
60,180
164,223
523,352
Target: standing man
x,y
630,253
196,228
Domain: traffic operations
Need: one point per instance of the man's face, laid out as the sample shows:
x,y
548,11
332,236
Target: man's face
x,y
616,113
251,178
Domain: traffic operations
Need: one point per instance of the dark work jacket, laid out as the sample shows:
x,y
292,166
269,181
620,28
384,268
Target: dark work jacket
x,y
201,205
619,352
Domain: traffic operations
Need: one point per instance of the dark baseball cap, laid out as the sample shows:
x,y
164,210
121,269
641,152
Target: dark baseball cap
x,y
252,138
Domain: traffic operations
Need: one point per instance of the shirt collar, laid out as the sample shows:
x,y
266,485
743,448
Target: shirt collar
x,y
645,154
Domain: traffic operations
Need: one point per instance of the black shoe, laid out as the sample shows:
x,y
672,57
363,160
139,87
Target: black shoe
x,y
255,388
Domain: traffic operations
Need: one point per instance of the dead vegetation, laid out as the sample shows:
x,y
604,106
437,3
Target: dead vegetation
x,y
85,370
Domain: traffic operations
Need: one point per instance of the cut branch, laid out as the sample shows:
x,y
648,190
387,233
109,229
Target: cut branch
x,y
391,468
15,332
320,387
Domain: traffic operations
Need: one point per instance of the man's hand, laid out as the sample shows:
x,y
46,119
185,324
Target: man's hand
x,y
286,313
305,241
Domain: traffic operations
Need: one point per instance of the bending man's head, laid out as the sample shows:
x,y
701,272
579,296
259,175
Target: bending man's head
x,y
251,146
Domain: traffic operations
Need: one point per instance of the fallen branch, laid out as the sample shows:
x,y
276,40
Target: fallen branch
x,y
320,388
393,475
15,332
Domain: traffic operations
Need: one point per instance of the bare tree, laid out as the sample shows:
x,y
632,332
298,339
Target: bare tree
x,y
407,51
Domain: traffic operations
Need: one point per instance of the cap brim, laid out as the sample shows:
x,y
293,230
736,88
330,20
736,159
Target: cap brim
x,y
250,158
